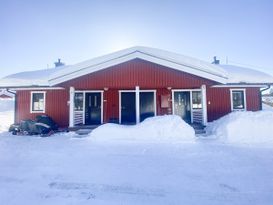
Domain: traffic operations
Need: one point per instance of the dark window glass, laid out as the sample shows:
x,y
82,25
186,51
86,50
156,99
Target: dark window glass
x,y
196,100
238,100
38,102
78,102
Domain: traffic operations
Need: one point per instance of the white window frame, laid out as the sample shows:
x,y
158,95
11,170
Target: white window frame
x,y
231,99
31,102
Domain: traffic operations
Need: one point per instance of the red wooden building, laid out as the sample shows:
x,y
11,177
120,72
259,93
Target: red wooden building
x,y
130,85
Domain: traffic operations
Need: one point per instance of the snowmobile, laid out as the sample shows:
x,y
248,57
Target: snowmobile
x,y
43,125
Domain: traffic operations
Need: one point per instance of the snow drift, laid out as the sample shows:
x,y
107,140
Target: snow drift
x,y
244,127
6,114
154,129
6,105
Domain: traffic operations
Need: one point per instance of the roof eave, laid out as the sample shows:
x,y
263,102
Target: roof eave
x,y
261,85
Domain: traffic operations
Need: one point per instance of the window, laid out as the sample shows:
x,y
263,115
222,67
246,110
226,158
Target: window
x,y
238,101
37,102
78,102
196,100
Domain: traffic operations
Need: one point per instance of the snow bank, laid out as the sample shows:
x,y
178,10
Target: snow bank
x,y
155,129
244,127
6,104
6,119
6,114
267,107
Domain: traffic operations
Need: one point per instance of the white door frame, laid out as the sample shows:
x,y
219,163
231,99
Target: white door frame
x,y
124,91
84,98
184,90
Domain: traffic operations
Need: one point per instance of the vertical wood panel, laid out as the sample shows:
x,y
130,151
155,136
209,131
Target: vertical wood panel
x,y
253,99
56,106
220,105
137,72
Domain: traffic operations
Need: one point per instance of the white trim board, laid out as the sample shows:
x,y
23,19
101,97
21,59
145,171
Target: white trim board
x,y
239,86
38,88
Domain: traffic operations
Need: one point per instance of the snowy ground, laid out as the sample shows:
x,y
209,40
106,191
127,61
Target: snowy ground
x,y
67,169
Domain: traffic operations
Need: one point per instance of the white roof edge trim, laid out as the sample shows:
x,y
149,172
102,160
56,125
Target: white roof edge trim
x,y
240,86
133,55
37,88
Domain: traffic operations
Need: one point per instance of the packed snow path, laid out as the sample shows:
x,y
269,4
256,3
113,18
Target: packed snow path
x,y
66,170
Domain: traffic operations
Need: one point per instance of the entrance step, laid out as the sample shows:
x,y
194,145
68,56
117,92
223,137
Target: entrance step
x,y
84,131
199,128
78,127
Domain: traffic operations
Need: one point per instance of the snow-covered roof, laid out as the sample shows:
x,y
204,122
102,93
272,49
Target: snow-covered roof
x,y
240,75
223,74
37,78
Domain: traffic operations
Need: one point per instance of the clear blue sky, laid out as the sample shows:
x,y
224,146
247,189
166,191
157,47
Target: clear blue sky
x,y
35,33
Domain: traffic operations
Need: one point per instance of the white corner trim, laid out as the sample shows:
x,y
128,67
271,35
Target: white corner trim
x,y
101,107
231,99
31,101
137,104
71,106
119,106
204,104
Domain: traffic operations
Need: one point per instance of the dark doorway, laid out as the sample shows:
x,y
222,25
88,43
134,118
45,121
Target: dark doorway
x,y
182,105
128,108
92,108
147,106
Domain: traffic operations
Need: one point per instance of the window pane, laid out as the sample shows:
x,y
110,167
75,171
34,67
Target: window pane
x,y
238,100
78,102
196,100
38,102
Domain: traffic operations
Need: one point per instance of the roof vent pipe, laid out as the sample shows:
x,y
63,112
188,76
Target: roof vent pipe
x,y
59,63
215,61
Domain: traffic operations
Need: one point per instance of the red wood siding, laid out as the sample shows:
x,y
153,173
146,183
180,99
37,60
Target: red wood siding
x,y
253,99
111,105
56,106
219,104
137,72
163,111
